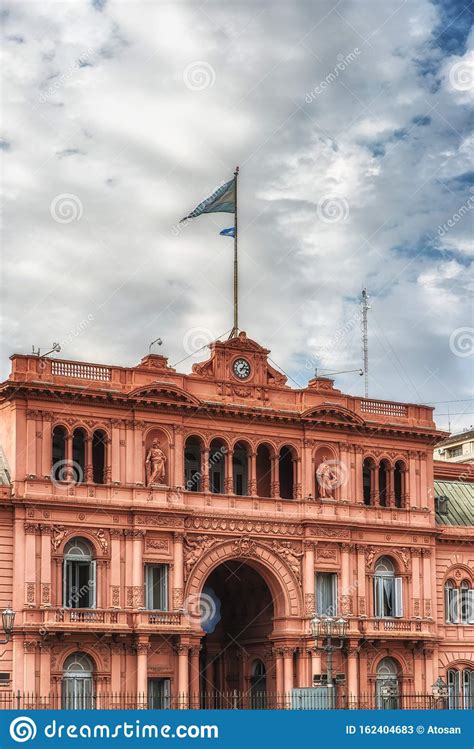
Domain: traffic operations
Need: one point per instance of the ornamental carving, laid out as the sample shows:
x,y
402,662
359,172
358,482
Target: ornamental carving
x,y
362,609
102,539
45,594
309,604
331,532
178,599
134,596
58,534
194,548
116,596
292,557
155,520
346,604
244,547
30,593
29,646
326,552
158,544
239,525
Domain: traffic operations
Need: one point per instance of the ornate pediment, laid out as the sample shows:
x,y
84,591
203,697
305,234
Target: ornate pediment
x,y
332,412
242,361
163,392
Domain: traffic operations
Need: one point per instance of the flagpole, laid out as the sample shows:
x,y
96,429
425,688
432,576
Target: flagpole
x,y
235,329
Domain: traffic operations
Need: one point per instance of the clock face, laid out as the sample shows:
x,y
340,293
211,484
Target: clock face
x,y
241,369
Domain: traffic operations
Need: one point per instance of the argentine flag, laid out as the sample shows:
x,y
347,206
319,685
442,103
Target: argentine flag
x,y
228,232
222,200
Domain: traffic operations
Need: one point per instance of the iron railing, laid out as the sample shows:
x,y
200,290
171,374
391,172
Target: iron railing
x,y
234,700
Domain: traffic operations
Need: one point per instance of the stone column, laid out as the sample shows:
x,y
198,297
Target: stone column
x,y
129,453
391,487
178,560
45,568
275,483
229,473
345,594
29,662
115,567
142,647
194,685
31,529
344,490
427,602
89,470
374,485
353,669
31,443
137,568
308,476
412,491
288,671
415,583
183,666
359,479
138,454
361,587
205,469
69,448
308,578
116,654
316,663
115,457
46,447
423,481
278,655
45,669
252,481
178,472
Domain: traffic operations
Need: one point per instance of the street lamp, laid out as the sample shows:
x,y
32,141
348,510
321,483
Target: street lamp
x,y
8,620
327,627
440,690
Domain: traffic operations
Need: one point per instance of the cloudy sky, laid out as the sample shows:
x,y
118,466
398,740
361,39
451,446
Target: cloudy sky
x,y
350,122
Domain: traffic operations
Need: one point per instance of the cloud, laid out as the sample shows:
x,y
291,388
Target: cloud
x,y
138,110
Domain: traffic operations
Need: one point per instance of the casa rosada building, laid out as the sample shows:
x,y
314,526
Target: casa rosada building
x,y
172,535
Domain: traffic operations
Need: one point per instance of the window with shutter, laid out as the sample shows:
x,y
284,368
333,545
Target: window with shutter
x,y
156,586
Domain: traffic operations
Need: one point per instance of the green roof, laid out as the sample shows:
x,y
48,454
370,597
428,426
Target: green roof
x,y
460,505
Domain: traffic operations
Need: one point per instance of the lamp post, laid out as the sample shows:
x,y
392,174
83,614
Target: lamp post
x,y
327,628
440,691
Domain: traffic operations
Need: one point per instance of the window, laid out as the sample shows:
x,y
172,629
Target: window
x,y
240,469
459,603
79,575
79,455
387,688
58,453
461,689
367,472
159,694
258,685
192,464
78,685
99,440
388,600
455,452
156,586
326,593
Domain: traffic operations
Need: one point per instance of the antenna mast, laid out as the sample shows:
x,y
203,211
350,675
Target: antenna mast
x,y
365,342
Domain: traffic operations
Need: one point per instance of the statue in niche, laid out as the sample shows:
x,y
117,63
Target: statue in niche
x,y
155,464
326,479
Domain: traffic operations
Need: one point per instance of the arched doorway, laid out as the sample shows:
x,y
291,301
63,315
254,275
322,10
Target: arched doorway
x,y
387,689
258,685
239,638
78,685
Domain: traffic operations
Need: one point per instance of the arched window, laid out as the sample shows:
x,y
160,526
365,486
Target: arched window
x,y
79,455
99,440
192,464
460,688
240,463
78,685
451,603
79,575
217,475
384,483
467,603
387,690
367,480
264,471
399,477
258,685
388,598
58,453
286,473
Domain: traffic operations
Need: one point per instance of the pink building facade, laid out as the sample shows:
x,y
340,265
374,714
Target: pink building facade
x,y
168,534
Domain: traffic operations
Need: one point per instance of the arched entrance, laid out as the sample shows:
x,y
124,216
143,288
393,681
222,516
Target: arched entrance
x,y
240,635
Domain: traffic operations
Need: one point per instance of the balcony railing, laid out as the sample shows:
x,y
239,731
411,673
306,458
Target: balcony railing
x,y
395,625
60,618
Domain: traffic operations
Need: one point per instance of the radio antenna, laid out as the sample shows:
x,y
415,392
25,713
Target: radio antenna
x,y
365,342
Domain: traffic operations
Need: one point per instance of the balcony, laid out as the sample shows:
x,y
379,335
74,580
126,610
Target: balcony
x,y
100,620
396,628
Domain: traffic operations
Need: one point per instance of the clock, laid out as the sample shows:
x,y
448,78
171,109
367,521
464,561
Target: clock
x,y
241,368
